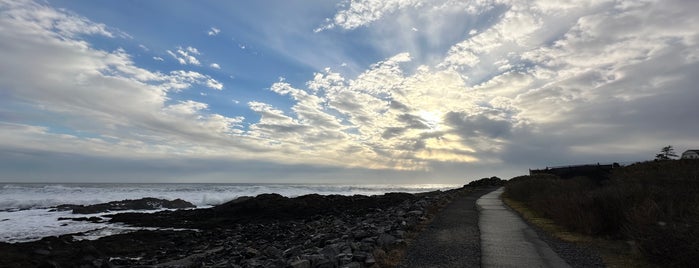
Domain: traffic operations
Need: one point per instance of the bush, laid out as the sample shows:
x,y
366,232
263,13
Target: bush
x,y
492,181
655,204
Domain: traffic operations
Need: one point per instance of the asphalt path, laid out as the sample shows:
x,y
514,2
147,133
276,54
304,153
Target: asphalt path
x,y
452,238
507,241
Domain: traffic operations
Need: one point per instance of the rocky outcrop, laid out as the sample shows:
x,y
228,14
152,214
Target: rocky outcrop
x,y
147,203
264,231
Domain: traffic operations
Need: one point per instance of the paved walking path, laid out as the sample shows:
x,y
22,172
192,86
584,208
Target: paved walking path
x,y
451,239
507,241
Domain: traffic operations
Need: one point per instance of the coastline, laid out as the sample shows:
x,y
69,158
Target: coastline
x,y
265,231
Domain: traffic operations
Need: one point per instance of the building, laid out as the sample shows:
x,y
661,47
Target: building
x,y
690,154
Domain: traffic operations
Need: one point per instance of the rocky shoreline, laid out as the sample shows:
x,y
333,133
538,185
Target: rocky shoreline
x,y
264,231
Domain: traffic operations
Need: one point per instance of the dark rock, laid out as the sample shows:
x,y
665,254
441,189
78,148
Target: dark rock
x,y
90,219
273,252
128,204
351,265
42,252
301,264
324,263
330,251
264,231
251,252
385,240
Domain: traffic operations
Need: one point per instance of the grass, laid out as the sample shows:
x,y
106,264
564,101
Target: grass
x,y
652,207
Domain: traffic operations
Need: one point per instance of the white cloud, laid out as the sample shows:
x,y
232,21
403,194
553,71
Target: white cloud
x,y
158,59
212,83
60,23
193,50
358,13
180,60
185,55
214,31
123,109
215,66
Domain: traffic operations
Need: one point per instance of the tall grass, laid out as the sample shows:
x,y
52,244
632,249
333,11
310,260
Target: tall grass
x,y
653,204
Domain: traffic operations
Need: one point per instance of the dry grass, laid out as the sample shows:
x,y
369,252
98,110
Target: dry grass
x,y
614,253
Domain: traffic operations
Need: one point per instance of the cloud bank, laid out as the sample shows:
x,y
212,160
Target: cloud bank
x,y
527,84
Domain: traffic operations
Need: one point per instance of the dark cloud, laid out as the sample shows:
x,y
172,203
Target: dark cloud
x,y
470,125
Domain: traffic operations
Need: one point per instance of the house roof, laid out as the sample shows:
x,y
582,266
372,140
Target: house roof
x,y
694,151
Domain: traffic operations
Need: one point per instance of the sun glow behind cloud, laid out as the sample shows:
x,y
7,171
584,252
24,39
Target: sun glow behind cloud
x,y
481,83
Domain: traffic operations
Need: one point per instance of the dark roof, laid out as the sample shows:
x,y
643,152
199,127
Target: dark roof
x,y
687,151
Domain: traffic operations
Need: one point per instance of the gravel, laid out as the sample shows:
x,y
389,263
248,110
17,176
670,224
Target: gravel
x,y
452,239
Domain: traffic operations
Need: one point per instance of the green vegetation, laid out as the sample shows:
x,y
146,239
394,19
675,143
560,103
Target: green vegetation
x,y
652,206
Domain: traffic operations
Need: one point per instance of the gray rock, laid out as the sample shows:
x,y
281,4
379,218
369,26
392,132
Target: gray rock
x,y
370,260
273,252
301,264
385,240
330,251
352,265
415,213
292,251
323,263
251,252
344,258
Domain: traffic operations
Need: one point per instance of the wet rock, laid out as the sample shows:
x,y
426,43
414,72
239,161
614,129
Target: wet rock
x,y
128,204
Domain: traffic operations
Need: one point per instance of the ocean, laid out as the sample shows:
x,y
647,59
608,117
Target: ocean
x,y
25,208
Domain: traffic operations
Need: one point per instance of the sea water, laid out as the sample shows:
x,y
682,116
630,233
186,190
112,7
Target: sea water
x,y
26,214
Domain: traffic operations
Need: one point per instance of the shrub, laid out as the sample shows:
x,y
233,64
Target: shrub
x,y
655,204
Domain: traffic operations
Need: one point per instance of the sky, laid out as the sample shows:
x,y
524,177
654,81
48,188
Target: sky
x,y
351,91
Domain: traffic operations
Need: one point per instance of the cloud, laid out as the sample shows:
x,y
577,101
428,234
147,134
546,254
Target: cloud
x,y
109,105
215,66
358,13
524,84
185,55
213,31
158,59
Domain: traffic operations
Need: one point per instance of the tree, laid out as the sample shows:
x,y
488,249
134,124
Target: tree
x,y
666,153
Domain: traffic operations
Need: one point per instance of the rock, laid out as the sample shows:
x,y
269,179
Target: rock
x,y
273,252
42,252
385,240
344,258
324,263
400,234
263,231
370,260
415,213
330,251
352,265
147,203
251,252
301,264
292,251
359,256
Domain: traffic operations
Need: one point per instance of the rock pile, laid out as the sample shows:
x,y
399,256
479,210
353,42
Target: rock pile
x,y
264,231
